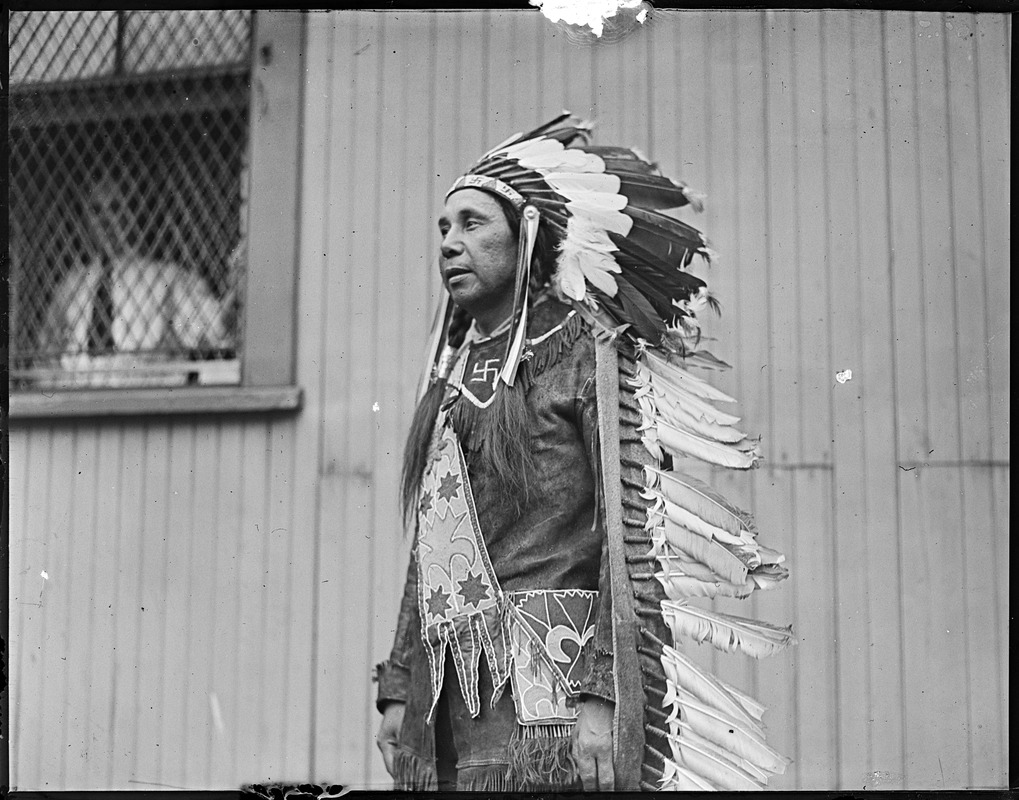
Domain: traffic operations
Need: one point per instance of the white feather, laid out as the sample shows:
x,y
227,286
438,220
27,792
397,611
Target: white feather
x,y
704,686
691,521
707,763
725,732
725,632
683,443
568,183
530,148
722,561
676,778
568,280
686,731
676,374
599,214
563,160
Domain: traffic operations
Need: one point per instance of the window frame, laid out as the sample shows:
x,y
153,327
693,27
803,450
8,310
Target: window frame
x,y
268,353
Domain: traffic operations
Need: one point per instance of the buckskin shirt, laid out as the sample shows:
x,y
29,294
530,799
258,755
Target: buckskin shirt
x,y
499,604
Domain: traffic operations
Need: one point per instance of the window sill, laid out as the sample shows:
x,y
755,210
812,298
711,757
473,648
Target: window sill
x,y
147,402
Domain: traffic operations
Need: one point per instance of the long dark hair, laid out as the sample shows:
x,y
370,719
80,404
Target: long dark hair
x,y
499,436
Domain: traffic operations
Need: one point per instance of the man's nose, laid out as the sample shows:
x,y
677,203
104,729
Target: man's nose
x,y
451,244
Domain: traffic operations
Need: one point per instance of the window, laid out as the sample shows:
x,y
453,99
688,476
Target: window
x,y
140,279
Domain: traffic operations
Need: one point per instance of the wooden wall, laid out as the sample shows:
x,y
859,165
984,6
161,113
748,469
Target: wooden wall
x,y
218,589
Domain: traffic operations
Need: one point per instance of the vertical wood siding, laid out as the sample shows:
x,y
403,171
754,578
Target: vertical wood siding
x,y
219,588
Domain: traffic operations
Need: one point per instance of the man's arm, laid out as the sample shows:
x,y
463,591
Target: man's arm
x,y
393,674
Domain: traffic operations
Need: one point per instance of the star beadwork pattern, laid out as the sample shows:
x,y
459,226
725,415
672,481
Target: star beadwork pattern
x,y
449,487
473,589
438,602
426,503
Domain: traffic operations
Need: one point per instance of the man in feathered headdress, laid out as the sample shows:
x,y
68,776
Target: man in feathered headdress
x,y
555,545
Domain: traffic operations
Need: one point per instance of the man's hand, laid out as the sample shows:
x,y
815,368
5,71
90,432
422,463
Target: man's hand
x,y
592,744
389,734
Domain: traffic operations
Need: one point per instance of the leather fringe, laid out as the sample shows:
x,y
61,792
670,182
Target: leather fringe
x,y
414,773
548,353
540,760
485,779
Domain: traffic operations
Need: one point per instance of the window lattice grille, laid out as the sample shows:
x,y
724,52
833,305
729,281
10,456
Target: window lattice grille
x,y
128,133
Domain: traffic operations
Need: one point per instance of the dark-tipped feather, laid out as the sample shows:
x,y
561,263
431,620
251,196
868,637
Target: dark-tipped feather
x,y
622,159
631,306
651,191
540,130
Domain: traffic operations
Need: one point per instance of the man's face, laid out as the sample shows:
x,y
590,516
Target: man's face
x,y
478,256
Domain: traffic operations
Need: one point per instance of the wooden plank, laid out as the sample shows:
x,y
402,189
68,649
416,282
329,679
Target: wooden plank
x,y
936,679
180,582
502,75
101,655
813,219
992,56
76,736
720,222
19,566
749,305
903,202
354,51
415,253
984,602
224,691
874,380
846,330
940,316
282,628
382,388
254,763
749,299
320,98
151,612
1000,495
625,89
127,616
197,725
775,681
782,443
664,112
405,181
348,448
817,714
967,243
469,82
57,601
31,460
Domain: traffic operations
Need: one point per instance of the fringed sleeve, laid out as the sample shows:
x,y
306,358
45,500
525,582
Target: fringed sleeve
x,y
393,674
